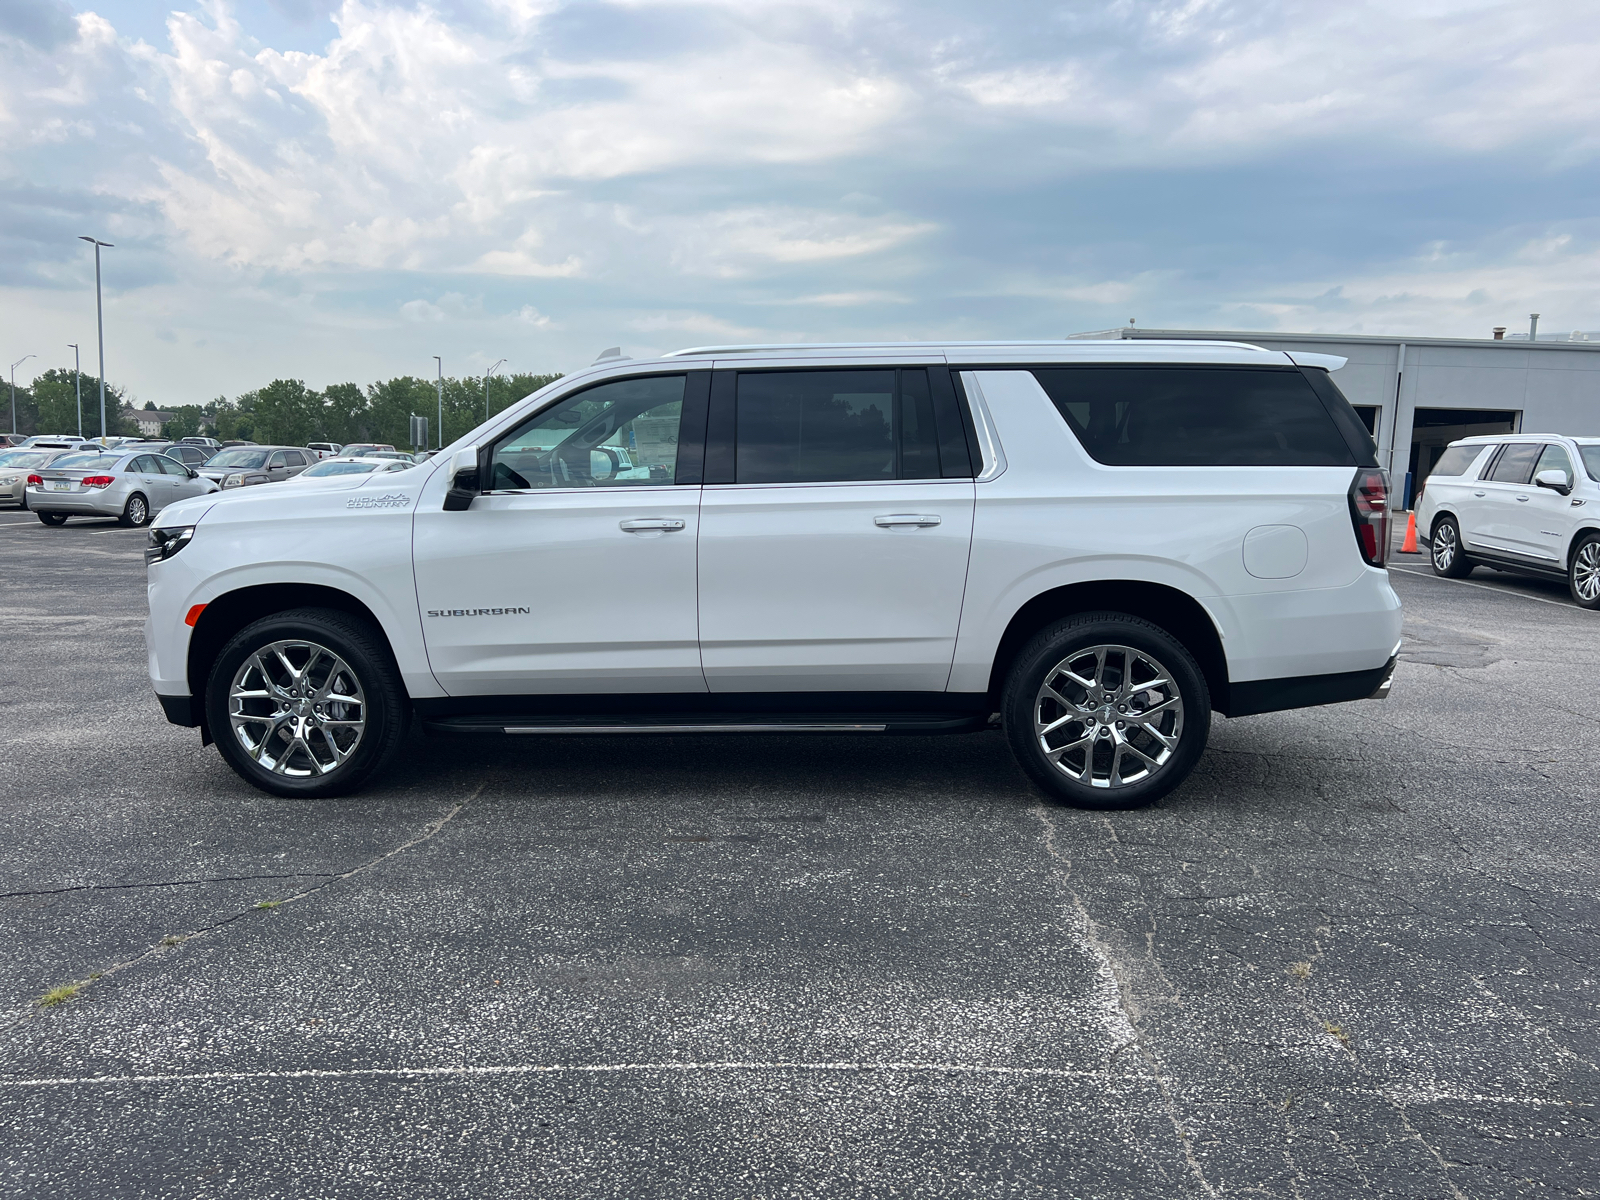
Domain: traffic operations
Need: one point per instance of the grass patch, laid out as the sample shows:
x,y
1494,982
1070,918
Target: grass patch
x,y
268,903
1337,1032
59,995
174,939
1299,970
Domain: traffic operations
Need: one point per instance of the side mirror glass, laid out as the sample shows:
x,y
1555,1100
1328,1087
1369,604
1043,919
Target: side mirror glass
x,y
463,480
1554,479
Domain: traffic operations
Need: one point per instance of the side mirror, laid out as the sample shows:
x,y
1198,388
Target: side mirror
x,y
1554,479
193,474
463,480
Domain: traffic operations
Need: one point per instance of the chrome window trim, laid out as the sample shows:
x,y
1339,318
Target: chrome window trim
x,y
994,458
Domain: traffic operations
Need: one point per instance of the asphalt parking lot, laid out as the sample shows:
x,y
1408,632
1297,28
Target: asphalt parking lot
x,y
1354,955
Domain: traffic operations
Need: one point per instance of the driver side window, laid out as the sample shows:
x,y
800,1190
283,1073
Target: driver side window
x,y
619,434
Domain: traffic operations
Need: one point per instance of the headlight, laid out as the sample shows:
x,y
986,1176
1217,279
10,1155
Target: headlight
x,y
233,481
164,543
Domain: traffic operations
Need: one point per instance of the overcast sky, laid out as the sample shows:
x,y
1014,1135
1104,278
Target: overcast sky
x,y
334,191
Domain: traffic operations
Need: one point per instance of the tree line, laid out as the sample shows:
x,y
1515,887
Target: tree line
x,y
286,411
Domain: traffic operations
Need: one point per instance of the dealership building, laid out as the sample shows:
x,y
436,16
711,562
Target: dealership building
x,y
1417,395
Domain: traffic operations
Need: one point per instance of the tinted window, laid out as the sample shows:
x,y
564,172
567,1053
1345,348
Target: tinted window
x,y
1515,464
1456,460
615,435
830,426
170,466
238,458
1188,416
1591,460
1554,458
276,460
294,458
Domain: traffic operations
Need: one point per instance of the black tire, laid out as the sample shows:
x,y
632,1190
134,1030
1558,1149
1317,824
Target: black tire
x,y
1042,660
136,511
384,707
1583,571
53,518
1445,552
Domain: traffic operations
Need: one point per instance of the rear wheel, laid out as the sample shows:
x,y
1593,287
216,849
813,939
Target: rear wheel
x,y
1106,710
53,518
136,511
307,703
1445,551
1583,572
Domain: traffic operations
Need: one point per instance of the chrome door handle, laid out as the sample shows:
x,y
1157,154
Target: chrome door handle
x,y
1478,494
1522,499
894,519
649,524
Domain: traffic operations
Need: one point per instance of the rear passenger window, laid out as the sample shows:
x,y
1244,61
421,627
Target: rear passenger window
x,y
1196,416
1515,464
1456,460
834,426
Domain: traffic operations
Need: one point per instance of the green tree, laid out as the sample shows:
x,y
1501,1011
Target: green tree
x,y
344,413
188,420
390,405
54,406
235,421
289,413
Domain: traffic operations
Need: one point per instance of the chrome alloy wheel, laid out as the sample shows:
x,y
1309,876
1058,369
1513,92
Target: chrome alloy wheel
x,y
1444,547
297,708
1108,716
1586,572
138,511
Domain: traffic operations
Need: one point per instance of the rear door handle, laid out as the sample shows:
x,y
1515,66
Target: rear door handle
x,y
895,519
651,524
1522,499
1478,494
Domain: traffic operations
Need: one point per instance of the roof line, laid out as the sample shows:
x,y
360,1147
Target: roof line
x,y
1141,334
1055,343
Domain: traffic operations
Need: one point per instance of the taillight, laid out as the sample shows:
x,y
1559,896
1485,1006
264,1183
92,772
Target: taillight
x,y
1369,513
99,480
35,481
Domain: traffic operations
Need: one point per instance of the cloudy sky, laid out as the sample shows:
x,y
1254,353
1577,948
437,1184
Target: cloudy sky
x,y
340,190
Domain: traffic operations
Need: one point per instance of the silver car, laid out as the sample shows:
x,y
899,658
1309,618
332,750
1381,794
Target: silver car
x,y
16,465
130,487
246,466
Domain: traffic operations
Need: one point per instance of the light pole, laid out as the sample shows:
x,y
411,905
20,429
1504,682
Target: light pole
x,y
486,375
77,383
14,367
440,361
100,323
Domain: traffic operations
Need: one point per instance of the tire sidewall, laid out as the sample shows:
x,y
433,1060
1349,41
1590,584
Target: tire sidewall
x,y
1572,572
1055,643
352,641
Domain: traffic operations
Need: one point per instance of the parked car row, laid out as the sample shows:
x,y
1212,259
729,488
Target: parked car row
x,y
132,479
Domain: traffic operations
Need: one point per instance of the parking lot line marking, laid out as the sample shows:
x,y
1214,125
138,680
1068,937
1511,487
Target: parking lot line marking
x,y
1484,586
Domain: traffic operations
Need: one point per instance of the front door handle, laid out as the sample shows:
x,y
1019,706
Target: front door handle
x,y
1479,495
896,519
651,525
1522,499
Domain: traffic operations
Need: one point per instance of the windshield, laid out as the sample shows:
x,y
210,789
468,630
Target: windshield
x,y
342,468
238,458
23,458
1591,461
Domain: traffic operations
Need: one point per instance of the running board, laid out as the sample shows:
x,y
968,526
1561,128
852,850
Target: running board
x,y
612,724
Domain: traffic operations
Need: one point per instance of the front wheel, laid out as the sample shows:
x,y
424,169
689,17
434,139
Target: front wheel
x,y
1583,573
307,703
1445,550
1106,710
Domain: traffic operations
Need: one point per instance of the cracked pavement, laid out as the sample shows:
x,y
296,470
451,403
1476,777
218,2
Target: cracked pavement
x,y
1355,955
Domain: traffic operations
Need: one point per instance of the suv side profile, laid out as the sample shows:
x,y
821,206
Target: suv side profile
x,y
1097,543
1527,503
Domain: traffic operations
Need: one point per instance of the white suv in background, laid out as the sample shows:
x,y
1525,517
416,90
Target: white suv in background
x,y
1517,502
1101,542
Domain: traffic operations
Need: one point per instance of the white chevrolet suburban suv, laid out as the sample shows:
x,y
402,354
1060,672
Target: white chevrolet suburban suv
x,y
1524,503
1101,542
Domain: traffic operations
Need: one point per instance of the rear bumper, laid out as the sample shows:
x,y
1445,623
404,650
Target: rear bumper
x,y
97,504
1307,691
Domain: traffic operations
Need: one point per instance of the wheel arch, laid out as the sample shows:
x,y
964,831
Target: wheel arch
x,y
1583,531
1175,611
1443,512
232,611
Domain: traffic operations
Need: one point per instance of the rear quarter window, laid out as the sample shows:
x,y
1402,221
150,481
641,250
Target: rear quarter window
x,y
1456,460
1196,416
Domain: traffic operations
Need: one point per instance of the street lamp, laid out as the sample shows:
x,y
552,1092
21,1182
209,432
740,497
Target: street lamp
x,y
486,375
77,383
440,361
14,367
100,322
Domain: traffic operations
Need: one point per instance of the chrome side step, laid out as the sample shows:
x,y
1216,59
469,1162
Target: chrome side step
x,y
612,724
727,727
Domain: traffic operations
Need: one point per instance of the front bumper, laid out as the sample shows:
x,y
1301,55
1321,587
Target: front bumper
x,y
12,493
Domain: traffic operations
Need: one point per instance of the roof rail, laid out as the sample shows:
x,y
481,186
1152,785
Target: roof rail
x,y
1063,343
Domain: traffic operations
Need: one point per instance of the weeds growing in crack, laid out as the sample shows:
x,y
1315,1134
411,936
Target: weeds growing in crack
x,y
268,903
60,995
1299,970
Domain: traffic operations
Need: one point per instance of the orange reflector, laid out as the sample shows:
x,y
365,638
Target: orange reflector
x,y
194,615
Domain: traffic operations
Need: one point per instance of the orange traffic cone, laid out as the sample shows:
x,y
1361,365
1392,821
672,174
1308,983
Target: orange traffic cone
x,y
1409,546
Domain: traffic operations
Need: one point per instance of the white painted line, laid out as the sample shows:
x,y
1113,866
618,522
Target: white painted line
x,y
927,1068
1497,591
